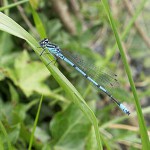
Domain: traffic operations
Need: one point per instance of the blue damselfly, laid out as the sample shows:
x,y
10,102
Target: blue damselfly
x,y
97,81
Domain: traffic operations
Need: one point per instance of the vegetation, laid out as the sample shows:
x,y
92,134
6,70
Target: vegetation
x,y
57,108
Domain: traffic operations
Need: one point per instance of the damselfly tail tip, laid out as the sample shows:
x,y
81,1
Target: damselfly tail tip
x,y
124,109
127,112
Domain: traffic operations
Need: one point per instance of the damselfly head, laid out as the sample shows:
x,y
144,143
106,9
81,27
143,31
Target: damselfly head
x,y
44,43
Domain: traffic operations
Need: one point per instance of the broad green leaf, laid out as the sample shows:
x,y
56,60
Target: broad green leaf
x,y
69,129
29,75
42,135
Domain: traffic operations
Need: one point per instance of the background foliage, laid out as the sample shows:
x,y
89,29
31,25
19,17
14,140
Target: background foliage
x,y
83,28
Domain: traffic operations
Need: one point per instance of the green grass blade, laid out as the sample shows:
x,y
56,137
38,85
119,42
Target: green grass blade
x,y
13,5
10,26
143,131
127,29
38,23
35,123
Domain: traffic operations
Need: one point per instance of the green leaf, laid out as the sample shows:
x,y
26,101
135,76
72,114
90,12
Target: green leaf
x,y
29,75
4,138
69,129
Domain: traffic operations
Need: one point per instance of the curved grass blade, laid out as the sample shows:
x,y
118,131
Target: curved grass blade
x,y
11,27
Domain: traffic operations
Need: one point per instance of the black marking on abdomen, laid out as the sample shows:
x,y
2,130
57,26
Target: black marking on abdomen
x,y
74,66
86,76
